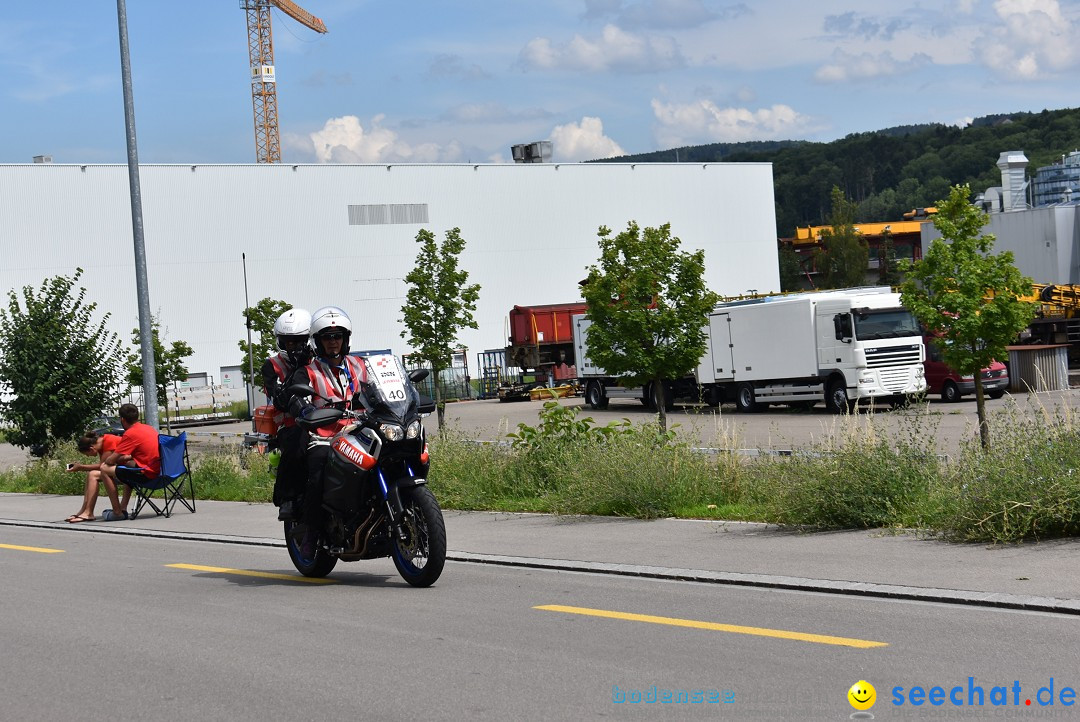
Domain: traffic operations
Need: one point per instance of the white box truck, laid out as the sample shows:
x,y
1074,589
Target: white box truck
x,y
842,347
600,386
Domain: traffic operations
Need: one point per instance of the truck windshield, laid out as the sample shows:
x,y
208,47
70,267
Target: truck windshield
x,y
887,323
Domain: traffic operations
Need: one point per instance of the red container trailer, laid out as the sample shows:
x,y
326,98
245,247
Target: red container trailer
x,y
542,340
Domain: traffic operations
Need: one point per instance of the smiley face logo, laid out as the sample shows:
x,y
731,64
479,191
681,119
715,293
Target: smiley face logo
x,y
862,695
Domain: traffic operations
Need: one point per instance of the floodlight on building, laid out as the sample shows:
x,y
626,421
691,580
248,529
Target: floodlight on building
x,y
535,152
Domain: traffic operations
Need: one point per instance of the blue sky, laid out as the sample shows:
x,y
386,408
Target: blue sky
x,y
442,81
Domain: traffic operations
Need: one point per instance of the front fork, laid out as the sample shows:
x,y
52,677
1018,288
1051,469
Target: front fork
x,y
395,509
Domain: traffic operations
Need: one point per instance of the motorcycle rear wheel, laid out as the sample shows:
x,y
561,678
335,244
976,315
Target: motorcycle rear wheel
x,y
420,557
319,566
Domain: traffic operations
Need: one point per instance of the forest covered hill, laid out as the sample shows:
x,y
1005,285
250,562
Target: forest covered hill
x,y
887,172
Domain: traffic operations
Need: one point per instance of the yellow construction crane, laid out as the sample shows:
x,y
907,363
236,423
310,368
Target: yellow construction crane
x,y
263,85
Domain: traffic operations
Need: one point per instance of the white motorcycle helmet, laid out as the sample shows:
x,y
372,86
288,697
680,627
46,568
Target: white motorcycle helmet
x,y
330,319
293,327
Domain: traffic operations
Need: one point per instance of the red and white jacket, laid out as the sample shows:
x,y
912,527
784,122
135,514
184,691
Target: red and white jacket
x,y
335,384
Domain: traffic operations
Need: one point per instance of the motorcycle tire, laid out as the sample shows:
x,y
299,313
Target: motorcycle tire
x,y
420,557
319,566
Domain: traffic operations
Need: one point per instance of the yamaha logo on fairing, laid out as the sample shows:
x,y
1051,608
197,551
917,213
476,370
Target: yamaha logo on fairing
x,y
353,454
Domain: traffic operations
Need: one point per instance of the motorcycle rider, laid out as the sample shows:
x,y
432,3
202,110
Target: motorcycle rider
x,y
336,377
291,330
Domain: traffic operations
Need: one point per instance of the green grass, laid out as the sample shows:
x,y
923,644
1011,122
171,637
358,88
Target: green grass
x,y
1027,486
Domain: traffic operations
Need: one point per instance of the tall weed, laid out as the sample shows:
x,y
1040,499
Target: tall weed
x,y
1026,487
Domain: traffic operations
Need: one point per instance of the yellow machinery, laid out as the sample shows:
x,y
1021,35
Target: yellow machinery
x,y
1058,317
1056,300
263,81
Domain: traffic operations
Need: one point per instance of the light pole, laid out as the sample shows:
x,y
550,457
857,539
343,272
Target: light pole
x,y
251,360
145,321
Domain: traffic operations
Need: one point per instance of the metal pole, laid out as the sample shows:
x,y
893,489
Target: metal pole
x,y
150,414
251,361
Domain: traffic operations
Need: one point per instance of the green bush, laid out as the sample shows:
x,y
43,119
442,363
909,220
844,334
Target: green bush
x,y
852,487
233,476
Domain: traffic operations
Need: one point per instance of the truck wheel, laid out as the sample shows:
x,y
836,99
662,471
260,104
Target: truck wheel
x,y
949,392
996,394
595,396
836,399
650,404
745,400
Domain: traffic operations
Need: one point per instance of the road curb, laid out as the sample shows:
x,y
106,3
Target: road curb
x,y
996,600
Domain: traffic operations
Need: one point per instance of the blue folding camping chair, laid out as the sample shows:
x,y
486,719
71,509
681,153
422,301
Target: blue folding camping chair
x,y
175,470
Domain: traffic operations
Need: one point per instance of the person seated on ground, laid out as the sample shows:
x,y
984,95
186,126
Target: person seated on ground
x,y
138,450
91,444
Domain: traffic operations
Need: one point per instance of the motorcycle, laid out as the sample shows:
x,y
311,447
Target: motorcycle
x,y
374,482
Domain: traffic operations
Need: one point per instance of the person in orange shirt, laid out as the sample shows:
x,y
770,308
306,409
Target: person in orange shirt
x,y
138,447
91,444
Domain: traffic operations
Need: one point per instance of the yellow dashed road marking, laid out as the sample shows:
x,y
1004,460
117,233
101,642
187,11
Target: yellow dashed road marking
x,y
249,573
41,550
713,626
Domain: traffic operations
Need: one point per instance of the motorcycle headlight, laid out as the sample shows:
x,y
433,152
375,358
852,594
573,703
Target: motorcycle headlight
x,y
414,429
391,432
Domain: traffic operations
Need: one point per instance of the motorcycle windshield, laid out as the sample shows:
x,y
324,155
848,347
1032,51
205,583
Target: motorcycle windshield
x,y
389,386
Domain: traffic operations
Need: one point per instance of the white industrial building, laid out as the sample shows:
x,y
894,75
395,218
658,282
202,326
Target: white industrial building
x,y
344,235
1044,241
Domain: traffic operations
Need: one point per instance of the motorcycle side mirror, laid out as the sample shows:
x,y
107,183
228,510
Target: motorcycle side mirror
x,y
418,375
425,405
301,390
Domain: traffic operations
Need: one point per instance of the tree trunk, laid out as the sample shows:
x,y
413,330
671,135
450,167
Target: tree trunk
x,y
980,407
660,401
168,426
440,407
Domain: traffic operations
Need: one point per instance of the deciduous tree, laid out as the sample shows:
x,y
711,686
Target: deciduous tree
x,y
966,295
649,306
844,257
790,268
438,304
168,365
58,367
261,317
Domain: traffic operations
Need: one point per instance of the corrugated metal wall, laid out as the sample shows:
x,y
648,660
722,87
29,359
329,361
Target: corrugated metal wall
x,y
530,233
1038,368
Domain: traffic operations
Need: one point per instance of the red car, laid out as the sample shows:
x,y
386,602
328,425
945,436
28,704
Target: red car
x,y
940,379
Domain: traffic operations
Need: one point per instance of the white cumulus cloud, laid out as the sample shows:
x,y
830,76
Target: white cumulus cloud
x,y
704,122
843,67
1032,38
345,140
615,50
583,141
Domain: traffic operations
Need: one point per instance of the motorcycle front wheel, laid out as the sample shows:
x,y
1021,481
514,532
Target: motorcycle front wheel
x,y
319,564
420,556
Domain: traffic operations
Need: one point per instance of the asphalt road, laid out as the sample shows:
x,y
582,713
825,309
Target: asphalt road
x,y
109,627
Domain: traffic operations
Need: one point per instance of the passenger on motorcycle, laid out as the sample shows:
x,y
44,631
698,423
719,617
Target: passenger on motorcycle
x,y
336,377
291,330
